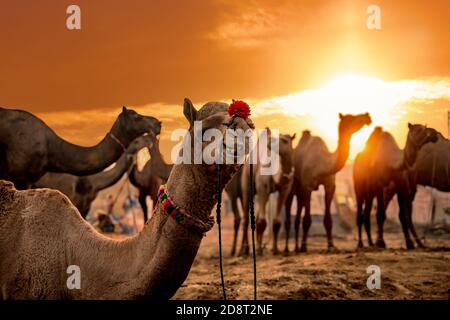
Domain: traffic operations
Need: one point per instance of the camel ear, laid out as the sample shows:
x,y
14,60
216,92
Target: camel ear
x,y
189,111
124,109
409,125
293,136
340,116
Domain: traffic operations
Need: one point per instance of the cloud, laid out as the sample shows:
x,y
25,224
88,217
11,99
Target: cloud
x,y
251,28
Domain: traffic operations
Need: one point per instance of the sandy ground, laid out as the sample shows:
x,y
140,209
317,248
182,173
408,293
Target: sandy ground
x,y
416,274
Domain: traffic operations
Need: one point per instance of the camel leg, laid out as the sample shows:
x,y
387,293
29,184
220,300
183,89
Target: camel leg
x,y
410,222
366,218
411,197
359,219
300,205
245,249
381,218
261,221
389,193
282,196
306,219
403,217
143,204
327,220
287,221
237,223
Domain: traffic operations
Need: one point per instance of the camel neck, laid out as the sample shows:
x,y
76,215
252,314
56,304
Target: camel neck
x,y
188,180
155,153
70,158
158,165
166,249
107,178
410,153
342,152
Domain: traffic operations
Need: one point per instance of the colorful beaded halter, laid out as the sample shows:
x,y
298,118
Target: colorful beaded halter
x,y
180,215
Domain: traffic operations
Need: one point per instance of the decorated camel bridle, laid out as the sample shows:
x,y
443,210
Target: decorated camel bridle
x,y
236,109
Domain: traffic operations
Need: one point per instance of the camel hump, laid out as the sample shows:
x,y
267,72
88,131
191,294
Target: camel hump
x,y
6,195
6,185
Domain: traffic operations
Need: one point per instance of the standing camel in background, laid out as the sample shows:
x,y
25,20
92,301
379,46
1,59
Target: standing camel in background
x,y
29,148
41,233
362,184
432,167
237,190
155,172
264,186
315,166
82,190
387,168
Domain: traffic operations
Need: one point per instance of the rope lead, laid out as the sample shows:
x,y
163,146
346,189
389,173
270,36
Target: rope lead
x,y
219,220
252,224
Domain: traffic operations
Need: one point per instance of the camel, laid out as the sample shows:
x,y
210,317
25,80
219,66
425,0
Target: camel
x,y
155,172
361,182
315,166
82,190
29,148
264,186
432,167
386,173
42,233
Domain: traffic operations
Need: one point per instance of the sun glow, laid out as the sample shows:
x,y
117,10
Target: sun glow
x,y
348,93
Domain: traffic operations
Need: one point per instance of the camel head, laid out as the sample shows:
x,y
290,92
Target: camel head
x,y
418,135
421,135
306,133
132,125
350,124
214,115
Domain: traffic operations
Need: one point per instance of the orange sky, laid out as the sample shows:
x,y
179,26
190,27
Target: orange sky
x,y
151,54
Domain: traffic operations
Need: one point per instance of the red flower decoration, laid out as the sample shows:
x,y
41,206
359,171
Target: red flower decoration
x,y
239,109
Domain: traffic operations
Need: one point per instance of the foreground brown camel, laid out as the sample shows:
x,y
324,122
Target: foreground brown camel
x,y
315,166
29,148
264,186
388,168
82,190
155,172
42,234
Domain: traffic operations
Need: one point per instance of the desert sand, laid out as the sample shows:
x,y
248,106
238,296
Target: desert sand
x,y
405,274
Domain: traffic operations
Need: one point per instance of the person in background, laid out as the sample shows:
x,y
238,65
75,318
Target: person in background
x,y
104,222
